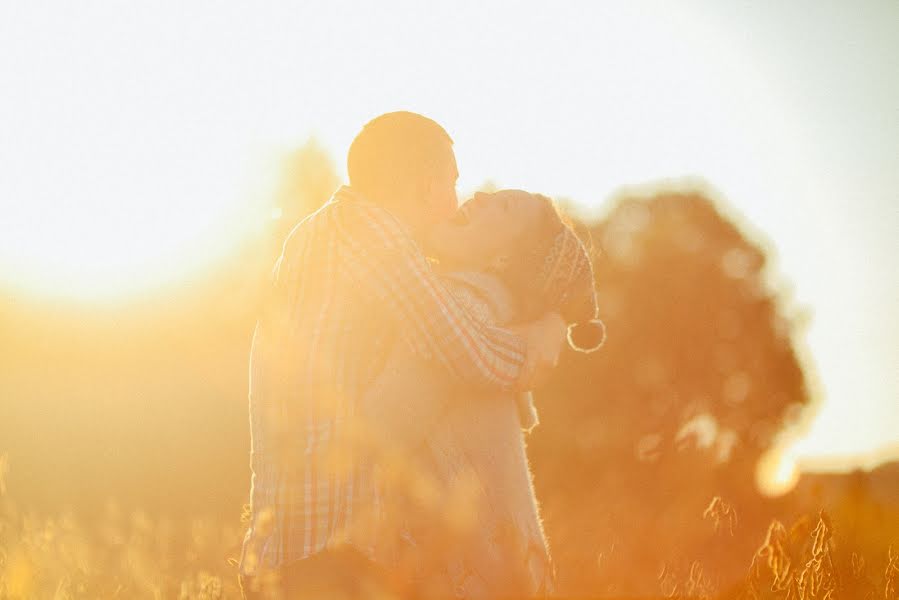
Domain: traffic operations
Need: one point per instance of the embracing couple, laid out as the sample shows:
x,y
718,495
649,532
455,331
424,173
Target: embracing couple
x,y
389,382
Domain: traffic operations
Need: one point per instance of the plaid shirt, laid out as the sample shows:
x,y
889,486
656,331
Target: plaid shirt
x,y
350,282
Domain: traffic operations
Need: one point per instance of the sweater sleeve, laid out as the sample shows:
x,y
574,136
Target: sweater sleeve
x,y
388,264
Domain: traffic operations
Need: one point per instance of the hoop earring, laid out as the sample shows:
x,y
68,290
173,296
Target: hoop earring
x,y
602,339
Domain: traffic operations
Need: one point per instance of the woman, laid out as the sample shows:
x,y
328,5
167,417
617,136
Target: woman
x,y
458,514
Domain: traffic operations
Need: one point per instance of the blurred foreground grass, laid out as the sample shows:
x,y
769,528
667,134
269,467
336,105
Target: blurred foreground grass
x,y
135,555
123,554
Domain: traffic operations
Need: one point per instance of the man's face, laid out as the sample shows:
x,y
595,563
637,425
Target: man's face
x,y
440,201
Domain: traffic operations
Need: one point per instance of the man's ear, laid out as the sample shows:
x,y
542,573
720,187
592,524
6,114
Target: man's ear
x,y
500,262
424,190
413,199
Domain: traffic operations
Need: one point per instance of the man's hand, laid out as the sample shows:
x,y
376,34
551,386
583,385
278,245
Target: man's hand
x,y
544,339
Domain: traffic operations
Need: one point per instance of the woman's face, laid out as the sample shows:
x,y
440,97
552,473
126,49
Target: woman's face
x,y
486,229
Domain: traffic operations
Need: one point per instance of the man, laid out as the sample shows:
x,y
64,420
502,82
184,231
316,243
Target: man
x,y
351,281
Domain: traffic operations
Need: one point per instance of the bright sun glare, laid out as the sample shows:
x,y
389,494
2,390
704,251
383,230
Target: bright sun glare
x,y
131,167
122,168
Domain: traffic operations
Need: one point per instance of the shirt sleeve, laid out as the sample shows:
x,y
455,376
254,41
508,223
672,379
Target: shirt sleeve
x,y
388,264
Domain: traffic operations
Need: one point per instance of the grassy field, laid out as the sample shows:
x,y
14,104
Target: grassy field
x,y
135,555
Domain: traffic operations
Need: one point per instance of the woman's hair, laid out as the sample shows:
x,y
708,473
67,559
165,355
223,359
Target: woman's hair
x,y
551,270
522,271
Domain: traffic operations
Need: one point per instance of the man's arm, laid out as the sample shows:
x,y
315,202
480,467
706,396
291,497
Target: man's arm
x,y
389,265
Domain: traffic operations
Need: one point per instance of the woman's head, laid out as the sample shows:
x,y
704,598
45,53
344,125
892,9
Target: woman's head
x,y
522,238
490,231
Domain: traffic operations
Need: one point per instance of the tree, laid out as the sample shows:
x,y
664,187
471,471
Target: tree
x,y
308,179
698,375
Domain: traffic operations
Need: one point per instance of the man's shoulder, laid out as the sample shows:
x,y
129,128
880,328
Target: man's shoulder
x,y
371,227
362,213
320,221
344,211
356,225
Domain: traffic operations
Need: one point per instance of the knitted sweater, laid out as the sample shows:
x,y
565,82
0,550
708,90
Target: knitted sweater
x,y
458,508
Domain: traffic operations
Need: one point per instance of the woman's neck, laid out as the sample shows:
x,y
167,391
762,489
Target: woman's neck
x,y
491,288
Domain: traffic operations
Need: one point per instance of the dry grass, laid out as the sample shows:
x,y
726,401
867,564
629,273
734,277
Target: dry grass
x,y
120,556
805,563
136,556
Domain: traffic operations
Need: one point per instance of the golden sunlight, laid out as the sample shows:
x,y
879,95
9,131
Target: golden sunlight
x,y
145,173
725,174
117,212
777,472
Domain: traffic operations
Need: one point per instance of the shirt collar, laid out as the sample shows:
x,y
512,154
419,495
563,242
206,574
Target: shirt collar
x,y
346,193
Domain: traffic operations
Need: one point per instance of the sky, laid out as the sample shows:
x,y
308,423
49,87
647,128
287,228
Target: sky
x,y
139,141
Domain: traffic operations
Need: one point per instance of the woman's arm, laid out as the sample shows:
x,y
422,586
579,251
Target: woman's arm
x,y
389,266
